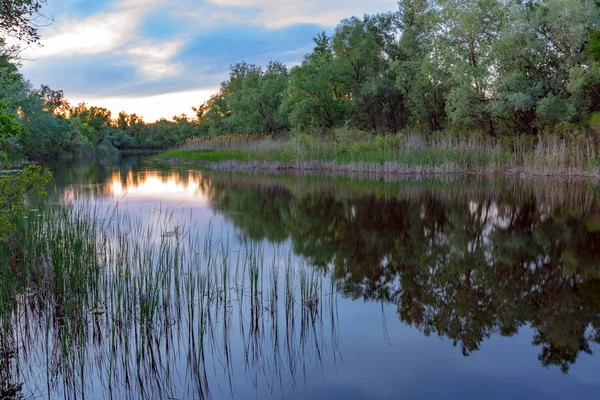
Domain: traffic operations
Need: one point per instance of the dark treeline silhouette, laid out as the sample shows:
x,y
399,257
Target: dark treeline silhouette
x,y
460,264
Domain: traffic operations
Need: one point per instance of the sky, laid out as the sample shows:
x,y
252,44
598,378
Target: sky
x,y
158,58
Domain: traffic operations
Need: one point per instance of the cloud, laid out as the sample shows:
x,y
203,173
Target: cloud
x,y
153,60
145,54
152,108
115,31
99,34
215,50
274,14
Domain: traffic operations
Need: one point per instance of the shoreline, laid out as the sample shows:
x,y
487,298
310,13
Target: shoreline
x,y
386,169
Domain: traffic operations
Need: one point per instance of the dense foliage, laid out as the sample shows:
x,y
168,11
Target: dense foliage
x,y
495,67
14,185
53,128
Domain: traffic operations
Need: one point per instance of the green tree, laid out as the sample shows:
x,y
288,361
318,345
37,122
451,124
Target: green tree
x,y
214,114
315,97
469,30
14,186
96,118
363,50
47,133
544,73
418,69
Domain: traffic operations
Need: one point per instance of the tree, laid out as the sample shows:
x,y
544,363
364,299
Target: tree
x,y
18,18
14,186
315,97
593,47
363,50
96,118
469,30
544,73
47,133
418,69
214,114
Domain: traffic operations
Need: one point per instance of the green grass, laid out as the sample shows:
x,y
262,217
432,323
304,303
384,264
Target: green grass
x,y
396,154
434,158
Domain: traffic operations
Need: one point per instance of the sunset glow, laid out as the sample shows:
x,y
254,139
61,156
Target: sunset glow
x,y
155,185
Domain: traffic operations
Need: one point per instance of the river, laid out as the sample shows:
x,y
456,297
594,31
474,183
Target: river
x,y
325,287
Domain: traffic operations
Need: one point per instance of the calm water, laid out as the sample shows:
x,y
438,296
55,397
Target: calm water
x,y
429,288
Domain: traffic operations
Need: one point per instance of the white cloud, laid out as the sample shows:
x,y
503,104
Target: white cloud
x,y
98,34
153,108
112,31
275,14
153,60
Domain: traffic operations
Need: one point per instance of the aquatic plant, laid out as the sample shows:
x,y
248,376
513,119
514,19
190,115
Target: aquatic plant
x,y
95,295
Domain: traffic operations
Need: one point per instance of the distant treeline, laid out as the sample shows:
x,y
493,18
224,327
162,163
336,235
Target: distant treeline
x,y
493,67
51,127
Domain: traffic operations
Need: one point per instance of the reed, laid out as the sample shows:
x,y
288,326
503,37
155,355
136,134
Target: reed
x,y
120,299
409,153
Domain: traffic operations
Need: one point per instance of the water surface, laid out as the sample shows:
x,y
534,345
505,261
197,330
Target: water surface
x,y
454,287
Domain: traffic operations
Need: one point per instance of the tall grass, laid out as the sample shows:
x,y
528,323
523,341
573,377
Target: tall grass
x,y
398,154
93,301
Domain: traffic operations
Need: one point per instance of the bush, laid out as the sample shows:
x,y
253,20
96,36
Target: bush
x,y
593,122
120,139
105,148
346,136
81,144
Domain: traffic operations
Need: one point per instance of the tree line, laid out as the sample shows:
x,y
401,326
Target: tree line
x,y
494,67
47,125
487,67
51,127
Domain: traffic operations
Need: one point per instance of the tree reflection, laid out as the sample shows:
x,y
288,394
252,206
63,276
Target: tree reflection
x,y
464,266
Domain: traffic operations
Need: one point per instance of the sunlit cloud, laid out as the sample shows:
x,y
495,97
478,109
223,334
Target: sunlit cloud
x,y
158,58
112,31
98,33
153,108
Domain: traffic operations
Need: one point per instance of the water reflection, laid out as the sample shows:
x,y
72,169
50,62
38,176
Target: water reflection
x,y
153,184
463,263
123,315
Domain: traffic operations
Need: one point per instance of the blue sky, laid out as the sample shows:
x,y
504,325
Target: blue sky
x,y
159,58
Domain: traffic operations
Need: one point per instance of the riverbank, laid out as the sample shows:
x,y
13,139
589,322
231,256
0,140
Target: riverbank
x,y
394,155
